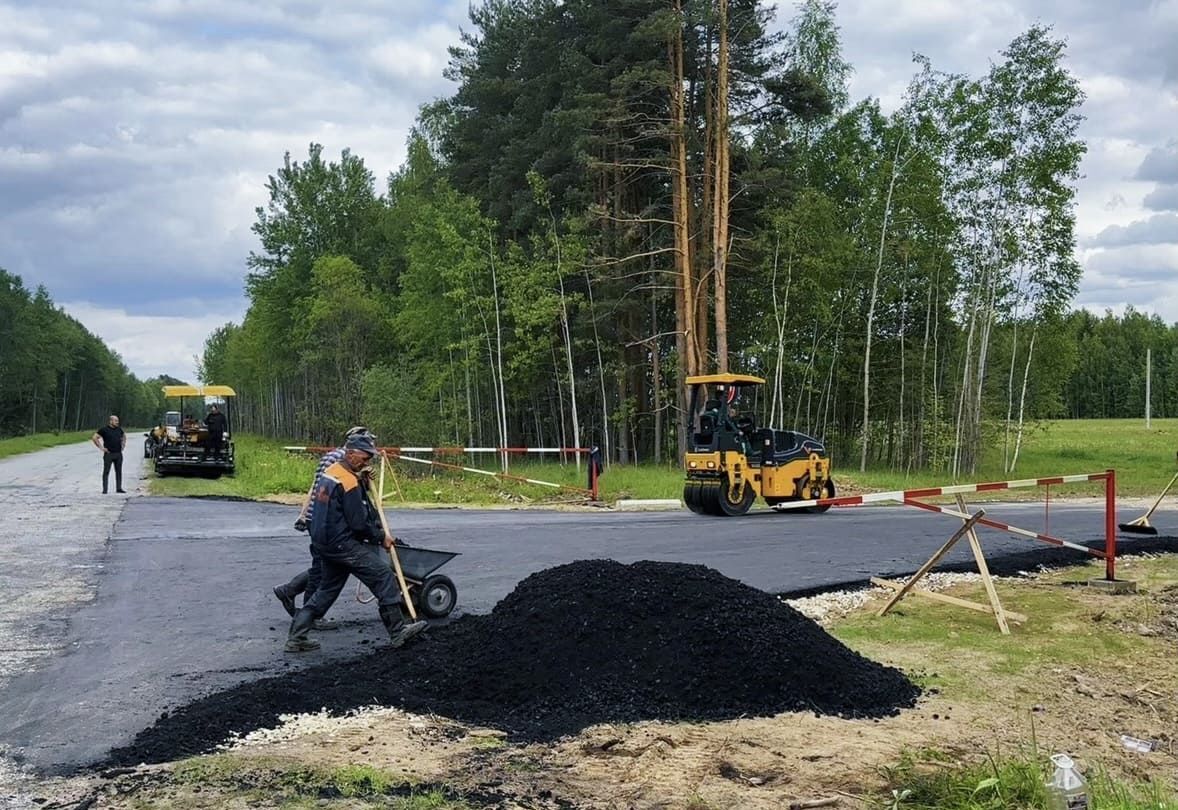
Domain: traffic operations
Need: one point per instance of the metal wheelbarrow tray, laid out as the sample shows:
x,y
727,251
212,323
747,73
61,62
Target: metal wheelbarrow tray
x,y
434,595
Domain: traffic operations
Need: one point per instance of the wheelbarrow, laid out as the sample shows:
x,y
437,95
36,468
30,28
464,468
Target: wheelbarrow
x,y
434,595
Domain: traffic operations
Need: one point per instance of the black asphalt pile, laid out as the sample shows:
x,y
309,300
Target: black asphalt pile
x,y
583,643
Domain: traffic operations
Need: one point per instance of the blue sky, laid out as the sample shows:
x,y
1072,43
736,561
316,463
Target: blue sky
x,y
136,135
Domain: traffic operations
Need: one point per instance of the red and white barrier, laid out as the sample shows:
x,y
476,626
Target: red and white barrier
x,y
455,451
399,452
908,497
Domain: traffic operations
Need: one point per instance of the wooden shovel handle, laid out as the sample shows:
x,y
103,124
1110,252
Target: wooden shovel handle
x,y
372,493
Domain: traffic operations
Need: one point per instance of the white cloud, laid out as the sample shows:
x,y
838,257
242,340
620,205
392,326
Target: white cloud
x,y
154,344
1159,228
1163,198
136,137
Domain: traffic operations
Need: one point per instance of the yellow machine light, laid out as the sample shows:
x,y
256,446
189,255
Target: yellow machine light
x,y
693,464
711,465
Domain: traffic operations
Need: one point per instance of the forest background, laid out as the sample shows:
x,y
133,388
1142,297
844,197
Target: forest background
x,y
623,193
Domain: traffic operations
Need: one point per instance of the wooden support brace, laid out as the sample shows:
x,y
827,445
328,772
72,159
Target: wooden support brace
x,y
984,572
1017,618
933,560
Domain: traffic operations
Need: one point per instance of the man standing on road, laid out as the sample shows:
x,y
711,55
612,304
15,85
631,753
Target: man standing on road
x,y
111,440
305,582
215,422
350,540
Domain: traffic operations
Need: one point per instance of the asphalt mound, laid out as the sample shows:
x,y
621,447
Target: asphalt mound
x,y
584,643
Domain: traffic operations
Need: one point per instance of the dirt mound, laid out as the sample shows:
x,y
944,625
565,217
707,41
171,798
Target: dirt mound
x,y
583,643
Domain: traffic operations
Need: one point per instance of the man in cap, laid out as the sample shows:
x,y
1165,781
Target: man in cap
x,y
306,581
350,540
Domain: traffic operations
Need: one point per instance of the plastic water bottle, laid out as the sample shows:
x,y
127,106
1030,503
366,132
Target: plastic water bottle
x,y
1137,744
1066,790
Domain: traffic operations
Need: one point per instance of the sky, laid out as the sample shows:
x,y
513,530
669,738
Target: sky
x,y
136,136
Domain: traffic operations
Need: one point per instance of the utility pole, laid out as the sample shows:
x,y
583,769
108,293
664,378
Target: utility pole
x,y
1148,368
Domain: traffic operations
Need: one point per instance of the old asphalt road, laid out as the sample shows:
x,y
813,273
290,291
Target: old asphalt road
x,y
183,603
53,546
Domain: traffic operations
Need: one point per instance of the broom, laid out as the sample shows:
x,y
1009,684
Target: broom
x,y
1141,525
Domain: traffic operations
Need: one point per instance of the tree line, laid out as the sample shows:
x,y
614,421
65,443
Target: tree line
x,y
622,193
55,375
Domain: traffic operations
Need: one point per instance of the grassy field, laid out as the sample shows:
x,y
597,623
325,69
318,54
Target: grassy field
x,y
39,441
1144,461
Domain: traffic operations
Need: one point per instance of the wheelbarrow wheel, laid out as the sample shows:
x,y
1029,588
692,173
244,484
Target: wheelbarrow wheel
x,y
438,596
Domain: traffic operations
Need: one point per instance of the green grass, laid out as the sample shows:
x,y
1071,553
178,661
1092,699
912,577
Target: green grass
x,y
1068,627
297,785
1144,461
39,441
922,782
263,468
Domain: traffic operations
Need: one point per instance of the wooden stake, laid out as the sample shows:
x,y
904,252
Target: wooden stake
x,y
933,560
984,571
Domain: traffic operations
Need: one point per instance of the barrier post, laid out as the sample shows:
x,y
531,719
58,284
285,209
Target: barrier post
x,y
1110,525
594,471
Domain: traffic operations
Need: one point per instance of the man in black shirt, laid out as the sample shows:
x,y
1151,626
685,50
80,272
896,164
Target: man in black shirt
x,y
215,422
111,440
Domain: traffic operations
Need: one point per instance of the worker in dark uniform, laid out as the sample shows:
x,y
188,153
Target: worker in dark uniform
x,y
111,440
350,540
215,422
306,581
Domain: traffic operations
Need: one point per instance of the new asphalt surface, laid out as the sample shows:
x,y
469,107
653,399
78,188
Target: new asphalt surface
x,y
182,604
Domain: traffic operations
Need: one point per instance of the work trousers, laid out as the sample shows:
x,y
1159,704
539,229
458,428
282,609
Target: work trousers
x,y
109,460
214,442
364,561
307,582
314,575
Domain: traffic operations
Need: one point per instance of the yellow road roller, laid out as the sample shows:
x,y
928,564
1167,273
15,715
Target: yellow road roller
x,y
731,460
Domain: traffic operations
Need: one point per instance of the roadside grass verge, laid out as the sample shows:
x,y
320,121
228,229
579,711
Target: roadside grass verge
x,y
1144,461
39,441
930,780
1069,626
1071,674
263,469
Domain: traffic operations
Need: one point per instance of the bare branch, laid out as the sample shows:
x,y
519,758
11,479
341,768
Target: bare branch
x,y
653,338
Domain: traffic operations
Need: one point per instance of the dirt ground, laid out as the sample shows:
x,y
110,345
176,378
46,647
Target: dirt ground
x,y
1072,679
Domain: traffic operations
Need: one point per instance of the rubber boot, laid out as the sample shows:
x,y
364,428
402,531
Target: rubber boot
x,y
296,640
286,593
286,598
400,631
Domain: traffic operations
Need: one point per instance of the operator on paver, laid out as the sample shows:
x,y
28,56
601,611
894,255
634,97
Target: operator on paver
x,y
215,422
111,440
305,582
350,540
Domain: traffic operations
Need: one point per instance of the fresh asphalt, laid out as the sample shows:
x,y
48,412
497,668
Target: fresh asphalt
x,y
183,603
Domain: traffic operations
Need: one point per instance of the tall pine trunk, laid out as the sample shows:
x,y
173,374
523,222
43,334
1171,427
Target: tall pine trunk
x,y
720,194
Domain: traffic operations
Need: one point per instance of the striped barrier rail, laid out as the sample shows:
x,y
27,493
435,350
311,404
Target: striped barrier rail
x,y
399,452
909,497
